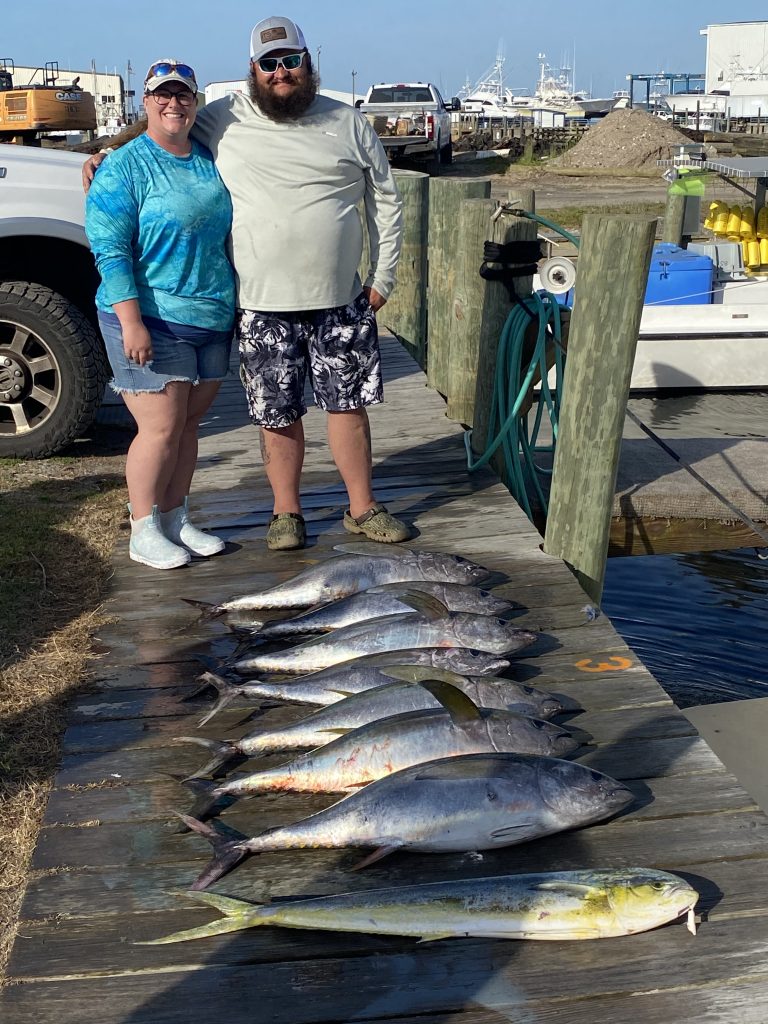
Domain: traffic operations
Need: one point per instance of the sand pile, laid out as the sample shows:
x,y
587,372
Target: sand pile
x,y
625,138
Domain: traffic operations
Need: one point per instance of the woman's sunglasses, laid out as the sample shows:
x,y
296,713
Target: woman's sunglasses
x,y
269,65
165,68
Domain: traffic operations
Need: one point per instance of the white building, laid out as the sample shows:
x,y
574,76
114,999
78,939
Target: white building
x,y
737,66
114,103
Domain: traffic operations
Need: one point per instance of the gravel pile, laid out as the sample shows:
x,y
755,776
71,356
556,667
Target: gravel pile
x,y
625,138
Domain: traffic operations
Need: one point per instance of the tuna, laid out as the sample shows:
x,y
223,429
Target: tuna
x,y
359,567
454,805
396,697
590,904
429,625
331,684
389,744
380,601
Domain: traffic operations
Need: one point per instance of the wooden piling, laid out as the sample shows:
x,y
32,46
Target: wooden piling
x,y
613,268
445,197
480,307
674,215
405,313
509,228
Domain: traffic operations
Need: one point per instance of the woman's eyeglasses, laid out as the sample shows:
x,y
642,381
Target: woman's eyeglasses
x,y
269,65
164,68
163,97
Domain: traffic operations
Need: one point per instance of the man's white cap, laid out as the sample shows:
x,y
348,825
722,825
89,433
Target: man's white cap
x,y
276,34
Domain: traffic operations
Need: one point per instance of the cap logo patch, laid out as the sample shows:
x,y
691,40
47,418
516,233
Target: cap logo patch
x,y
269,35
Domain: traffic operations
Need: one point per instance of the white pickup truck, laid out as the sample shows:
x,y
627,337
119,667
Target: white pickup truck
x,y
53,367
412,120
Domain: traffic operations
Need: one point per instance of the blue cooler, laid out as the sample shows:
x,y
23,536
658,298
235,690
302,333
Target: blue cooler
x,y
678,277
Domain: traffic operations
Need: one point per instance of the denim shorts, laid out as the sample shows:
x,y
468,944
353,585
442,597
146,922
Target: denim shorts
x,y
337,347
179,352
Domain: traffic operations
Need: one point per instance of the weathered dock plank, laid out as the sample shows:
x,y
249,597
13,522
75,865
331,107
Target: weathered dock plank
x,y
109,868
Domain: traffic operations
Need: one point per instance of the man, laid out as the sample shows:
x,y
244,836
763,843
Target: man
x,y
296,165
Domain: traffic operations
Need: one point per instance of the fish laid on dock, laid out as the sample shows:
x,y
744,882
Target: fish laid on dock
x,y
429,625
359,567
591,904
395,698
380,601
332,684
454,805
389,744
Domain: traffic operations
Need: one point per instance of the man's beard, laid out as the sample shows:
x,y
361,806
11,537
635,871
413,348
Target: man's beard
x,y
283,108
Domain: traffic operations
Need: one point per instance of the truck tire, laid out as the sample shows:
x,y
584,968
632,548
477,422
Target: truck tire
x,y
446,154
53,369
433,165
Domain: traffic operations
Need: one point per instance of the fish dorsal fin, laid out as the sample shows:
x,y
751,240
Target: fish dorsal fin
x,y
462,710
372,550
417,673
342,693
425,604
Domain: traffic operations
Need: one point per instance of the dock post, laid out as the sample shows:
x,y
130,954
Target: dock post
x,y
480,307
613,268
515,229
445,196
405,313
674,216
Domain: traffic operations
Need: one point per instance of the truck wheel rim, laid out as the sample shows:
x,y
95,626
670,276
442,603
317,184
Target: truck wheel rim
x,y
30,379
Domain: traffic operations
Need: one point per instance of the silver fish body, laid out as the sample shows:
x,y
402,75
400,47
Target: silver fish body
x,y
387,745
382,601
326,686
454,805
396,698
590,904
392,633
352,572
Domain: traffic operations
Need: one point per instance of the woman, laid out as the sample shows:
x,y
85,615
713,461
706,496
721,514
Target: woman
x,y
157,218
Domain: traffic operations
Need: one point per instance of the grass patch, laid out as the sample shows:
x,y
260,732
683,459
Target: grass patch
x,y
58,523
571,217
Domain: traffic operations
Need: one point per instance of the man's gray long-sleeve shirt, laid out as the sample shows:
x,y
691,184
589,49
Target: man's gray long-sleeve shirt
x,y
295,186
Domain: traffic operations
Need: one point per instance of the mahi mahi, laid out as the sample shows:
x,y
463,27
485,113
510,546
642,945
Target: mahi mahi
x,y
359,567
589,904
454,805
395,698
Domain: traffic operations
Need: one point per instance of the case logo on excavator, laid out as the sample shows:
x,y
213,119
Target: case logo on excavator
x,y
69,97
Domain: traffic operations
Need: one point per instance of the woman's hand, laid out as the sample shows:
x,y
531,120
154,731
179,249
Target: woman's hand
x,y
137,343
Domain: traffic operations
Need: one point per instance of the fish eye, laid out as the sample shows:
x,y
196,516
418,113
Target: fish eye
x,y
596,776
658,886
537,723
485,593
459,558
501,622
527,689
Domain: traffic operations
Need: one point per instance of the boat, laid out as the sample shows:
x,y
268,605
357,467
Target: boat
x,y
704,324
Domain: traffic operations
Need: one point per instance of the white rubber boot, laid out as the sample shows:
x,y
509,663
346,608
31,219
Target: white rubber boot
x,y
177,527
151,547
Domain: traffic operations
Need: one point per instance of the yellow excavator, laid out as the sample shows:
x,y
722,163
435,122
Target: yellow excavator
x,y
29,111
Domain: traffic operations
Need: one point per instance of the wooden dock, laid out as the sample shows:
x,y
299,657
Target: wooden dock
x,y
109,870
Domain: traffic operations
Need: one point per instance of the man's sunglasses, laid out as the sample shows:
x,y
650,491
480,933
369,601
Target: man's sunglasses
x,y
165,68
269,65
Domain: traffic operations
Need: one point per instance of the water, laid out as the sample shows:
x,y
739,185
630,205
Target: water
x,y
697,621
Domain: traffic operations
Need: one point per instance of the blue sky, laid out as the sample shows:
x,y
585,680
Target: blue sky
x,y
383,41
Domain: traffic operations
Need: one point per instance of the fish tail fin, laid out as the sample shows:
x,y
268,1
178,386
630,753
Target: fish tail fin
x,y
227,693
208,611
224,753
238,915
207,802
229,848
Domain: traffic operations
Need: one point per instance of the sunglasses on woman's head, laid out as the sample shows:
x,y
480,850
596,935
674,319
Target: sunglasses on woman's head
x,y
166,68
269,65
